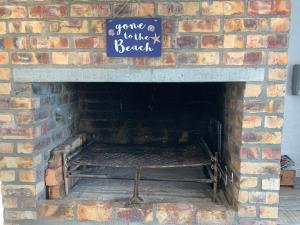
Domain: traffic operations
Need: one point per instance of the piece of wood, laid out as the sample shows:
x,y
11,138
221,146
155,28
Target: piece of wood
x,y
287,178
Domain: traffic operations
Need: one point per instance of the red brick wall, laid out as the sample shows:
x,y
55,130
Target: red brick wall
x,y
236,33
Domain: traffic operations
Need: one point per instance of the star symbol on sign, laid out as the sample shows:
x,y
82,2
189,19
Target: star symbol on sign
x,y
155,39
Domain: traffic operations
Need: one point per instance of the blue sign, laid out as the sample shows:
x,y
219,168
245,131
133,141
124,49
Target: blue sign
x,y
133,37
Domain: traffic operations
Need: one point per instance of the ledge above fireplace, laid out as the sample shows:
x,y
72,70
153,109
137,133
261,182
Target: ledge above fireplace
x,y
218,74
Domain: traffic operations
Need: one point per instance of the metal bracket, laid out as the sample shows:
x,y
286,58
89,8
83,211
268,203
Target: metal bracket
x,y
226,175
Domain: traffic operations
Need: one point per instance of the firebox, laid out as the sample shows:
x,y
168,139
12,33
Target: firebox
x,y
148,127
141,143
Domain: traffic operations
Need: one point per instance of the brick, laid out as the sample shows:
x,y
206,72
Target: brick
x,y
4,58
278,41
20,215
27,176
30,58
169,25
20,133
5,89
233,7
52,211
25,148
199,25
281,7
94,212
27,27
272,198
167,41
89,42
39,42
252,90
253,58
29,117
98,26
144,9
186,41
27,203
246,25
135,215
266,138
233,41
271,184
6,119
243,58
256,168
53,176
247,211
214,8
7,175
172,213
5,74
19,162
257,197
178,8
267,212
13,43
19,190
10,203
257,41
257,7
2,28
222,8
243,197
212,41
90,10
276,90
24,103
199,58
222,41
71,58
273,122
271,153
12,12
248,182
214,216
103,60
249,153
280,24
278,7
277,74
48,11
167,59
56,192
6,148
278,58
133,9
233,58
72,26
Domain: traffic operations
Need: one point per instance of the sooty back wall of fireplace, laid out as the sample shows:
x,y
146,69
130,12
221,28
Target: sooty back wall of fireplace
x,y
143,113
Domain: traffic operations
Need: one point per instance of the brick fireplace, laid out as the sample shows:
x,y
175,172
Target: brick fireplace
x,y
221,59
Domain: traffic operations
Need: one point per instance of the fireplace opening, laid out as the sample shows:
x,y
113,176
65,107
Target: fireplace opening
x,y
141,142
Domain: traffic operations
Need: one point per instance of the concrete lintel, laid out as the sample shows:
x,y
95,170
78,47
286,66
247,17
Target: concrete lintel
x,y
218,74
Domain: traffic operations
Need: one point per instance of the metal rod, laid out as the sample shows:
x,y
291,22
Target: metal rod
x,y
98,176
204,163
136,199
208,150
215,185
65,173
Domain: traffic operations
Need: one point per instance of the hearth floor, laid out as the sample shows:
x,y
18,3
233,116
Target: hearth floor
x,y
150,191
289,206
